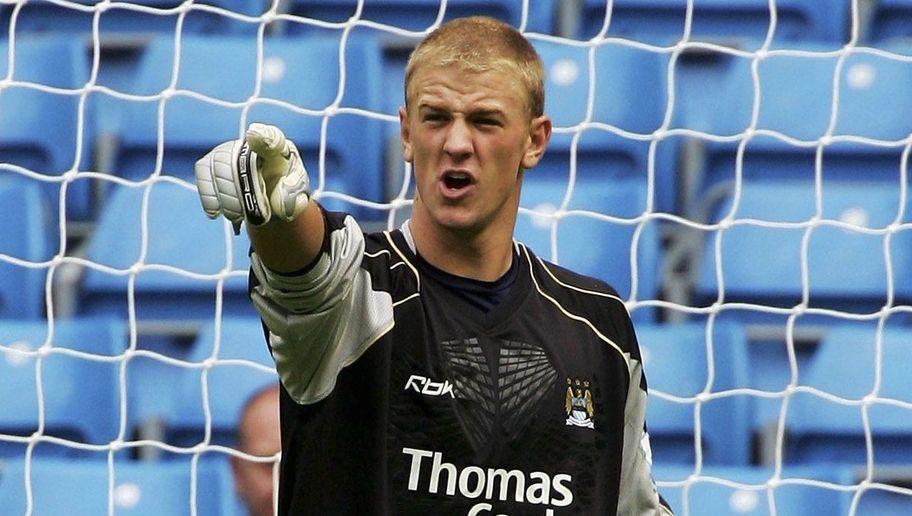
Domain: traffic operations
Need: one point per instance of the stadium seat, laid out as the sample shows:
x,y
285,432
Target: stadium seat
x,y
39,129
676,363
796,100
630,89
860,181
877,501
118,19
418,15
230,383
26,233
846,268
140,488
824,431
180,245
587,244
297,74
80,396
890,20
709,495
662,21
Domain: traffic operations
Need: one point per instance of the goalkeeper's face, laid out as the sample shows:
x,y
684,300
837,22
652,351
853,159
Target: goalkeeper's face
x,y
469,136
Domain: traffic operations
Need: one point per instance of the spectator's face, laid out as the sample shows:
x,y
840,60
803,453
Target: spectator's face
x,y
468,135
253,481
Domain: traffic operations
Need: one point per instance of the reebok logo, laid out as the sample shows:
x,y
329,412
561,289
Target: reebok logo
x,y
423,385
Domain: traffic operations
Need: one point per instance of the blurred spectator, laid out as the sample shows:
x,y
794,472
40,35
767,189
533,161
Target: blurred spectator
x,y
258,434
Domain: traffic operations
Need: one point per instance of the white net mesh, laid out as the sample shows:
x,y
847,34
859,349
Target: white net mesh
x,y
744,191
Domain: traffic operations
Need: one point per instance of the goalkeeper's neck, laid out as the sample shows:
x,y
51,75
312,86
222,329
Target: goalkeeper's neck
x,y
482,253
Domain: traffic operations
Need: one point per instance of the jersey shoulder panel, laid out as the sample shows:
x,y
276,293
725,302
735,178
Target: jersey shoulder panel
x,y
386,261
585,296
382,258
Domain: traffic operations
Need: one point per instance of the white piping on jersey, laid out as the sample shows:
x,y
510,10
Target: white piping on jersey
x,y
573,316
386,252
378,253
578,289
389,239
403,300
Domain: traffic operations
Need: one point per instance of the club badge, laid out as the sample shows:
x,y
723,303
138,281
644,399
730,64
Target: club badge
x,y
579,404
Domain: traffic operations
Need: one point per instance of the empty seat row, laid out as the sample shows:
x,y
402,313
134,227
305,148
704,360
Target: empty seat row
x,y
185,100
61,486
82,487
650,21
696,376
684,361
81,395
153,244
740,491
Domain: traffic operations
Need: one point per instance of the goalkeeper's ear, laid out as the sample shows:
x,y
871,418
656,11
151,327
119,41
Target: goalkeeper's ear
x,y
405,134
539,134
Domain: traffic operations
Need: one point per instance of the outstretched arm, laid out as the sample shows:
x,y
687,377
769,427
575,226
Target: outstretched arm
x,y
321,307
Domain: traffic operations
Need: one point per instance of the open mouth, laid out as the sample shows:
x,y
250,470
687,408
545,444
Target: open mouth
x,y
457,180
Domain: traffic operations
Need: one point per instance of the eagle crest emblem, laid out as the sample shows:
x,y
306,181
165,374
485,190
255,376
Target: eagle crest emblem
x,y
579,406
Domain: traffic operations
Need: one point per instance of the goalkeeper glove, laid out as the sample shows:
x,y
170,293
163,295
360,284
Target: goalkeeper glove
x,y
253,179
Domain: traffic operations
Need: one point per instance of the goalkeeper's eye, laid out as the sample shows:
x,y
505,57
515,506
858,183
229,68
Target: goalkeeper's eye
x,y
434,117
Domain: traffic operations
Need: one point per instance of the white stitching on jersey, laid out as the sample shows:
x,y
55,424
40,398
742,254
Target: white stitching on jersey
x,y
414,270
393,266
573,316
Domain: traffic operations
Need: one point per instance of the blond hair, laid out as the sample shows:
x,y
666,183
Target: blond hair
x,y
481,44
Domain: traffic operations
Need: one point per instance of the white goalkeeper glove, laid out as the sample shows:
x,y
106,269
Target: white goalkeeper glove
x,y
253,179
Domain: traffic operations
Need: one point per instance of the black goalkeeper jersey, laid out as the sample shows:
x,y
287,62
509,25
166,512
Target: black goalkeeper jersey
x,y
401,397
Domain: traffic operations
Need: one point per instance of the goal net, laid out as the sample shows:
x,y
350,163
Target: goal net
x,y
736,170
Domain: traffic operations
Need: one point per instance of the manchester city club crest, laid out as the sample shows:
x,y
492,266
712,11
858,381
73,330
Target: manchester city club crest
x,y
579,404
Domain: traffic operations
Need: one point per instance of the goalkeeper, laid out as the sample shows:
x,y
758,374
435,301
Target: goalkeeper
x,y
440,368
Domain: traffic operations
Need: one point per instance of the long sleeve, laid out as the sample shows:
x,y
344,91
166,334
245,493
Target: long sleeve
x,y
324,318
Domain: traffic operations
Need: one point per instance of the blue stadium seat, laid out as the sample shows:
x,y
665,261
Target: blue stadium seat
x,y
225,70
796,95
40,17
846,269
80,396
140,488
890,20
823,431
26,233
38,129
713,497
586,244
630,94
796,98
662,21
178,235
877,501
418,15
229,384
676,363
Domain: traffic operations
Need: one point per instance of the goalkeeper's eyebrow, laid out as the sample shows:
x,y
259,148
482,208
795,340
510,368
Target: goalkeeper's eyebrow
x,y
484,112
